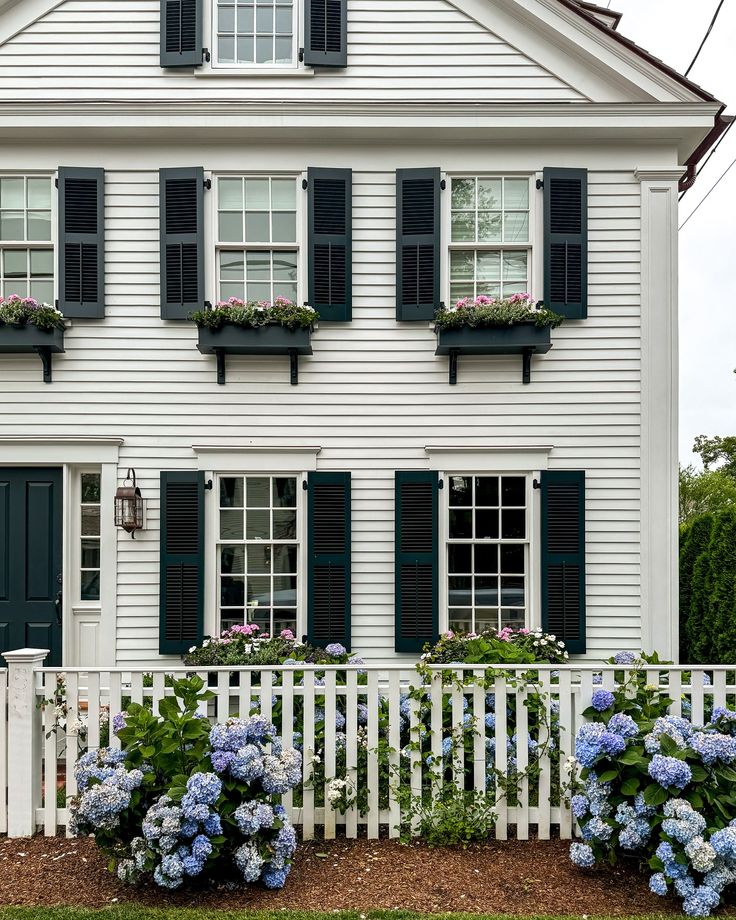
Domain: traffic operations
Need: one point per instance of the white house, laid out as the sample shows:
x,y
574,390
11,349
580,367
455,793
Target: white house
x,y
159,155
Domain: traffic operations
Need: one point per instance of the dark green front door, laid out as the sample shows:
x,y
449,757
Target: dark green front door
x,y
30,559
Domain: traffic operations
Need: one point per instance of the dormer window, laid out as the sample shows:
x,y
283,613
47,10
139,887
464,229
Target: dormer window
x,y
257,33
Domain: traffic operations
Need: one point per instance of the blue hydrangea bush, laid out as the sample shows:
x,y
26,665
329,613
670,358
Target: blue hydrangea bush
x,y
184,801
659,789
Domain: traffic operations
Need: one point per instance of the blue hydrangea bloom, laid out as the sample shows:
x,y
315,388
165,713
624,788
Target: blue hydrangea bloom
x,y
602,700
669,772
336,650
582,855
658,884
624,725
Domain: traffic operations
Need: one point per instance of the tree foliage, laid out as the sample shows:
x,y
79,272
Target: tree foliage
x,y
705,492
717,450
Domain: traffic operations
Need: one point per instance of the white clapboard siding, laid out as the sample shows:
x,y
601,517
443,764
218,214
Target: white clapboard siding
x,y
416,49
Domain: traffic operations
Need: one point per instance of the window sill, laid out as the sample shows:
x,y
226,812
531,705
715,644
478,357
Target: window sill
x,y
261,72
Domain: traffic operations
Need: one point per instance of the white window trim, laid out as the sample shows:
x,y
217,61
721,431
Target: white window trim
x,y
482,460
212,539
536,229
236,68
211,228
53,243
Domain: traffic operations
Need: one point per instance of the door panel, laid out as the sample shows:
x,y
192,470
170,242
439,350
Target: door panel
x,y
30,559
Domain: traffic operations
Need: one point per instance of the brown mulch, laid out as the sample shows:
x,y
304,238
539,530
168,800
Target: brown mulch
x,y
511,877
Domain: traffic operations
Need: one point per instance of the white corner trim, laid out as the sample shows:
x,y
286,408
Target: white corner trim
x,y
660,175
490,458
54,451
252,458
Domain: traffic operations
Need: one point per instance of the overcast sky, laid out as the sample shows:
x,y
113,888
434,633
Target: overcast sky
x,y
672,30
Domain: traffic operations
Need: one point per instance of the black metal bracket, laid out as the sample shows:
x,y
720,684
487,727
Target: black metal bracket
x,y
206,56
208,184
441,484
220,356
443,184
537,484
305,184
209,485
540,184
453,366
526,375
305,485
294,366
45,356
301,55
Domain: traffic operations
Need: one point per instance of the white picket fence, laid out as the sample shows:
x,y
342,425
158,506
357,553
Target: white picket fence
x,y
42,757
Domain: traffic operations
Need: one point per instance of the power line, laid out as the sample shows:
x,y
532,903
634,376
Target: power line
x,y
710,190
705,38
705,161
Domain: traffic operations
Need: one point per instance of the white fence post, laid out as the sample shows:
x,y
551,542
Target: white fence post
x,y
25,741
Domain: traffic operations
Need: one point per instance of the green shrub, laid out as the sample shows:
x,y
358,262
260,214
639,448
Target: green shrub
x,y
694,539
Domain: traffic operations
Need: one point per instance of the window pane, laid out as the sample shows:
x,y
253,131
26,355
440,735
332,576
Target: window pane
x,y
259,265
232,266
488,289
284,590
512,592
284,525
261,616
514,266
259,591
264,19
512,559
486,558
39,194
516,227
516,194
486,591
284,52
459,622
463,194
257,227
460,291
232,560
489,226
462,264
489,194
226,18
460,558
232,289
284,266
258,526
284,227
226,50
42,291
284,20
11,193
246,49
489,266
90,586
258,292
90,554
232,590
284,492
513,491
486,525
91,521
91,488
11,225
259,560
283,619
42,262
460,591
231,525
230,194
486,619
461,525
513,618
461,491
231,492
513,525
258,490
486,491
463,227
256,195
15,263
245,19
231,226
284,559
283,193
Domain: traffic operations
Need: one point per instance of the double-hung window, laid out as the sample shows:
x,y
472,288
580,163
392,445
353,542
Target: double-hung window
x,y
487,551
258,552
490,251
257,237
26,237
259,33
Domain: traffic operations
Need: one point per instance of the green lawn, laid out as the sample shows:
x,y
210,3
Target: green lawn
x,y
144,913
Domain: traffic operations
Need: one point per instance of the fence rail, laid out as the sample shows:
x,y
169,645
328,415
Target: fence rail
x,y
388,731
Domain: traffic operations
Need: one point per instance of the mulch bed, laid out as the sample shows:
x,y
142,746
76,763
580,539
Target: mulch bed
x,y
511,877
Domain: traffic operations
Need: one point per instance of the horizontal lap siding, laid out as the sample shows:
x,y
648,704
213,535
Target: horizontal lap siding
x,y
373,395
418,49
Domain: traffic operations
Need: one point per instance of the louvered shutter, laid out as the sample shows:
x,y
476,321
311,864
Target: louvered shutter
x,y
182,561
81,249
330,242
326,33
417,243
563,557
329,552
181,197
416,560
181,33
566,242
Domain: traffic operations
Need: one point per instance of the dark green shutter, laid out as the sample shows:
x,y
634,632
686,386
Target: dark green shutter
x,y
331,243
563,557
81,242
181,198
326,33
416,560
181,33
417,243
182,561
329,550
566,242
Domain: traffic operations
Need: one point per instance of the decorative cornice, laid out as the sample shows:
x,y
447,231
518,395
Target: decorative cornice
x,y
489,448
660,175
254,449
61,439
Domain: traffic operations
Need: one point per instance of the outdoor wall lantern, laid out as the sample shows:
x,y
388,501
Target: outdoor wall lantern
x,y
129,506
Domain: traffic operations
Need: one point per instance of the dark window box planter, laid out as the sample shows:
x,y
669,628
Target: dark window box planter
x,y
260,340
29,339
523,339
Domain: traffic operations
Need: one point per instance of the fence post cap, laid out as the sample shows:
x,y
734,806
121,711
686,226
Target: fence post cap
x,y
26,656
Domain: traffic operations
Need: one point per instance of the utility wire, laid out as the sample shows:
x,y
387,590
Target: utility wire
x,y
705,161
712,189
705,38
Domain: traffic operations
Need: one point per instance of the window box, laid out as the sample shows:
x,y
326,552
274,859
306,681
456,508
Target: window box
x,y
230,339
523,339
27,339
